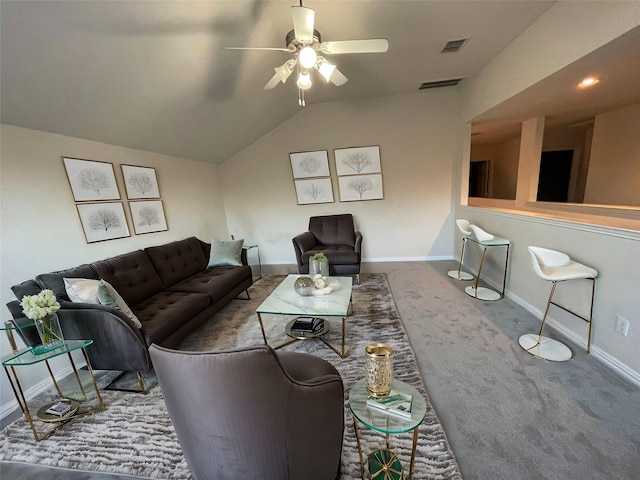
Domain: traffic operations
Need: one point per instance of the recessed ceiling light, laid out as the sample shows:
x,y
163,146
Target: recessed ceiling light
x,y
588,82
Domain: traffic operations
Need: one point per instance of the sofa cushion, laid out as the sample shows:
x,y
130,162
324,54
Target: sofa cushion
x,y
164,313
111,298
215,282
54,281
131,274
177,260
82,290
226,253
28,287
336,254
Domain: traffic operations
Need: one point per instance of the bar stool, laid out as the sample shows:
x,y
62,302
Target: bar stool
x,y
554,267
486,240
463,226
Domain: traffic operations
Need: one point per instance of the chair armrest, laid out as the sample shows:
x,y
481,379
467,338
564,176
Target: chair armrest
x,y
358,245
117,343
303,243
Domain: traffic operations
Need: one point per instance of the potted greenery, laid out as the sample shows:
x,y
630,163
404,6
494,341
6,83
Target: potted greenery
x,y
319,263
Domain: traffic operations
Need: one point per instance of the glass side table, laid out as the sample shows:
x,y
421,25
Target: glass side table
x,y
386,423
25,358
9,327
250,247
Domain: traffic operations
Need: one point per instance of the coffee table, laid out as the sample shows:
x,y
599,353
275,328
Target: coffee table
x,y
286,302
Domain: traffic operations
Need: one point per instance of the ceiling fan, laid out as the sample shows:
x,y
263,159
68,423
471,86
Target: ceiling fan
x,y
305,43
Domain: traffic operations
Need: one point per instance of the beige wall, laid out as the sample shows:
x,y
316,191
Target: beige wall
x,y
41,231
418,136
615,158
612,251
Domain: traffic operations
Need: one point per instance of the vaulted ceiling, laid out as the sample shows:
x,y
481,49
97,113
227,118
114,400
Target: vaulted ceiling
x,y
155,75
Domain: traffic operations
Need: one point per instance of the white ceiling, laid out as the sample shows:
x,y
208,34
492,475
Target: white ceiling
x,y
154,75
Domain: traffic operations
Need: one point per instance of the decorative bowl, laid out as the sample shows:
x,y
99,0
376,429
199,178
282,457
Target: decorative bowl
x,y
304,286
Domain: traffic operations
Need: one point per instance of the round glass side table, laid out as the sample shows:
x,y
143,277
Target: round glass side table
x,y
385,423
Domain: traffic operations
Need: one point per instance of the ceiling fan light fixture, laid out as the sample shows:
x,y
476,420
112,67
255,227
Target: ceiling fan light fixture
x,y
325,68
285,70
304,80
307,57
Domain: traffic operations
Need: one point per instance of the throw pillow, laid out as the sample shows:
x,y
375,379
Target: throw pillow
x,y
111,298
82,290
226,254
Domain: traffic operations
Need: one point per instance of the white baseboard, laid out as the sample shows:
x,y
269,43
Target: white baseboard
x,y
613,363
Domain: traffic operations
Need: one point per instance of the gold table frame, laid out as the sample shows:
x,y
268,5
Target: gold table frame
x,y
69,346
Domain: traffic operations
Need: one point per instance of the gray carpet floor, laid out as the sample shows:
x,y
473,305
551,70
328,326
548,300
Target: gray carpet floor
x,y
507,415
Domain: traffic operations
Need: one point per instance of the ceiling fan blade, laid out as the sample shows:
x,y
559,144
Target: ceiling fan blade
x,y
338,79
303,19
259,48
374,45
275,80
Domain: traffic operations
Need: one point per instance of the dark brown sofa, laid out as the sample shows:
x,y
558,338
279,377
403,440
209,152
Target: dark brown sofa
x,y
168,287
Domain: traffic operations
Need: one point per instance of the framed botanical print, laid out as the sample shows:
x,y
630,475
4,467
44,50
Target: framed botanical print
x,y
91,180
103,221
315,190
309,164
148,216
355,188
357,160
140,182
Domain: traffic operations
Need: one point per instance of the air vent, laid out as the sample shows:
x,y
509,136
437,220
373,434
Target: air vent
x,y
454,45
452,82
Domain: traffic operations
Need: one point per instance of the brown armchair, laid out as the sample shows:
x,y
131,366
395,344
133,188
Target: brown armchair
x,y
336,237
251,413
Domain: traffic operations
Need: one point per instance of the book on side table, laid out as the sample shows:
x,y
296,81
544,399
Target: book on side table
x,y
62,409
397,403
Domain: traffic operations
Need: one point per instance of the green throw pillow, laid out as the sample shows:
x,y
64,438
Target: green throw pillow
x,y
109,297
226,254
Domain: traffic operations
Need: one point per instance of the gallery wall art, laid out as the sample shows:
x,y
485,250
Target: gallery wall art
x,y
309,164
359,173
148,216
140,182
103,221
91,180
315,190
356,188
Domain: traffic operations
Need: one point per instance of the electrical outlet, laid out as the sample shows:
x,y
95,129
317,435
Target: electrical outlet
x,y
622,326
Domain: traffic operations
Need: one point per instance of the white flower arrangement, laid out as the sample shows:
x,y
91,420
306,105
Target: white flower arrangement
x,y
39,306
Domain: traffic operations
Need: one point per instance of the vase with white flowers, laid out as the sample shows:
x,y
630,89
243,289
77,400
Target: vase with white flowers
x,y
42,308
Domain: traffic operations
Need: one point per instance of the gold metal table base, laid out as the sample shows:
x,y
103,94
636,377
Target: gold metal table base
x,y
340,353
413,448
22,401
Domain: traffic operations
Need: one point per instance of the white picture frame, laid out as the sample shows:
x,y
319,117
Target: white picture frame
x,y
309,164
357,160
103,221
357,188
148,216
91,180
140,182
315,190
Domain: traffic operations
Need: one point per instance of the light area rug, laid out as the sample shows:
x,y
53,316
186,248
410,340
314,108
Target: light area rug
x,y
134,436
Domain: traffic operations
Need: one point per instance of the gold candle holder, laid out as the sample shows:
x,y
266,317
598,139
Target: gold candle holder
x,y
378,370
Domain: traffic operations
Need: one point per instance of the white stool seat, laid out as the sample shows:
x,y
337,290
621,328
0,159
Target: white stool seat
x,y
554,266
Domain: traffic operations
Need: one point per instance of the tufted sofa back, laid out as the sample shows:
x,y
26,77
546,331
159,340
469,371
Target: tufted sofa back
x,y
54,280
178,260
132,275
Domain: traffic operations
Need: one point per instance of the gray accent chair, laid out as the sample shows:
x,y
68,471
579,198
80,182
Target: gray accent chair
x,y
337,238
252,413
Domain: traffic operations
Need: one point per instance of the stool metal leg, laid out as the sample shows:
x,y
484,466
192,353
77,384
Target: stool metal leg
x,y
459,274
545,347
